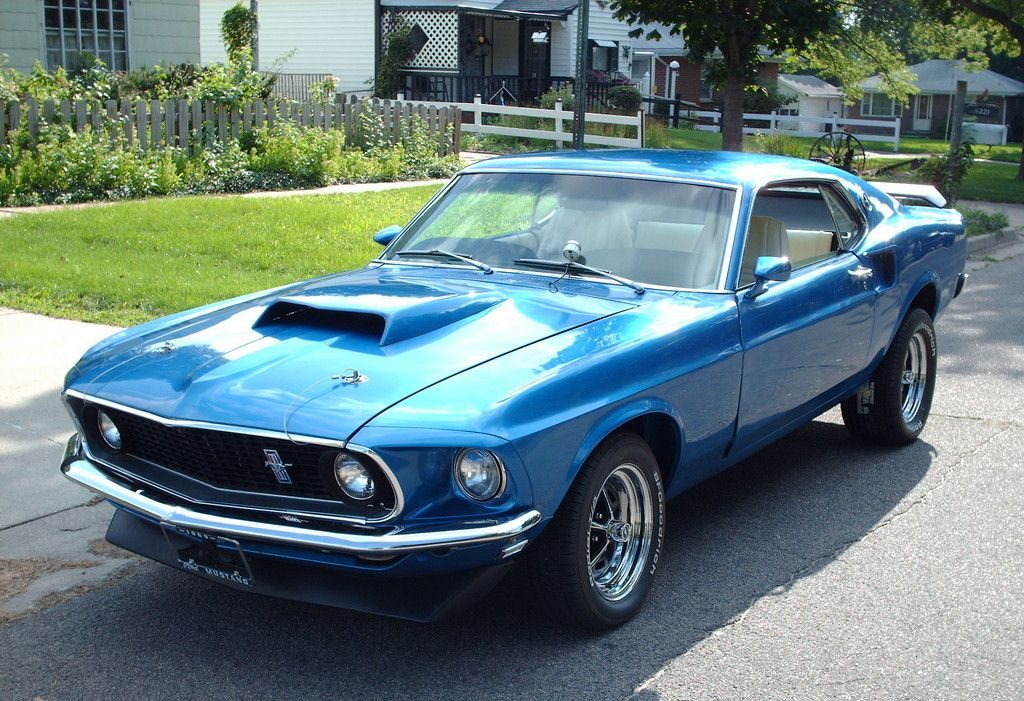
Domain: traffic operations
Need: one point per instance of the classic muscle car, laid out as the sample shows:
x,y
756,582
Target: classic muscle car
x,y
551,348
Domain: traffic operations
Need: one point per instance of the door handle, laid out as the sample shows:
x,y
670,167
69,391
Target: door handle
x,y
861,273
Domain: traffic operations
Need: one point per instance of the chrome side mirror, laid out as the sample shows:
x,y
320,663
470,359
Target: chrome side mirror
x,y
387,234
768,269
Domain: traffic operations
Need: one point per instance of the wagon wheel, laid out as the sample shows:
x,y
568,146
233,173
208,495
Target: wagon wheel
x,y
841,150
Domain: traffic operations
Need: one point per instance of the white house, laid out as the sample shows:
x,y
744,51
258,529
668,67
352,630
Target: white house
x,y
813,98
468,46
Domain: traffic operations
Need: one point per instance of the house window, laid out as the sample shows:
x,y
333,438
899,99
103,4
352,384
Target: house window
x,y
875,104
790,110
95,27
707,89
604,55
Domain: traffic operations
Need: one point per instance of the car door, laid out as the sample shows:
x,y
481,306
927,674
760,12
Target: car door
x,y
804,337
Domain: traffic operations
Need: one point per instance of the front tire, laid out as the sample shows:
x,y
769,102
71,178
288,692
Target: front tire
x,y
893,407
593,565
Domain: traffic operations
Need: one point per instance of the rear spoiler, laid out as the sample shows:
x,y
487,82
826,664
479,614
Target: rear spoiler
x,y
913,194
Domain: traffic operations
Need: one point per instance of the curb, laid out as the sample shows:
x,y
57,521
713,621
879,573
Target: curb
x,y
977,244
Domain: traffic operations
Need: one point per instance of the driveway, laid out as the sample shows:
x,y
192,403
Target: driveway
x,y
818,569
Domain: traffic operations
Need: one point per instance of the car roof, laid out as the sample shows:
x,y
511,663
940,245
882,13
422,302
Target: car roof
x,y
724,167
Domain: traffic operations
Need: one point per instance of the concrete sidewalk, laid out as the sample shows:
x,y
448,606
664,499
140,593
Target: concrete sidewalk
x,y
50,530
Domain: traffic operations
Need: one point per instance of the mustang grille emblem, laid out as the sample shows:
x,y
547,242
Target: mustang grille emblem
x,y
277,466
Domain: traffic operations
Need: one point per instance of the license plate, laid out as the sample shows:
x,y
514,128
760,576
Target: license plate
x,y
209,554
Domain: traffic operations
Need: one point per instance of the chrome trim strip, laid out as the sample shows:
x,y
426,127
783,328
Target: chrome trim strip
x,y
225,428
396,542
207,425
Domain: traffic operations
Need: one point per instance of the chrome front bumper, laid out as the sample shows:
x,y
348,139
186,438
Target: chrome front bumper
x,y
392,542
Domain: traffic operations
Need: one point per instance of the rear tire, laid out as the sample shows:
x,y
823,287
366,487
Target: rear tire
x,y
593,565
893,407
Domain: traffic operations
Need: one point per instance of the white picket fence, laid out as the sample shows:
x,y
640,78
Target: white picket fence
x,y
794,125
561,132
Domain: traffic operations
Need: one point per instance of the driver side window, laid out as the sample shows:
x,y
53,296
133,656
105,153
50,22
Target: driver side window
x,y
806,222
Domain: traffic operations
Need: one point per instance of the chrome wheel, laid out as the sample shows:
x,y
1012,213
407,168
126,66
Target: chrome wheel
x,y
621,532
915,376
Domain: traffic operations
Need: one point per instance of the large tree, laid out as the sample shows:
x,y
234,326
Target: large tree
x,y
737,29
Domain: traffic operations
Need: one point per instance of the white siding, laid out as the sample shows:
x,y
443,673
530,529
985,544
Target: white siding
x,y
211,50
321,36
603,25
163,31
21,33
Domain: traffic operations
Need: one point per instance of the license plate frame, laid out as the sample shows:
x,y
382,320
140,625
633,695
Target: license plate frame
x,y
209,555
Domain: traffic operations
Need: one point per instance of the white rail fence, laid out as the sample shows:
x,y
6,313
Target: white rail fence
x,y
796,125
561,131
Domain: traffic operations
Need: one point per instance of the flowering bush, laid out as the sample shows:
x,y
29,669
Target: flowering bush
x,y
61,165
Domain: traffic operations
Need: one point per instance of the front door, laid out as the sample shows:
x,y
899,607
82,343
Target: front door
x,y
805,337
923,113
536,44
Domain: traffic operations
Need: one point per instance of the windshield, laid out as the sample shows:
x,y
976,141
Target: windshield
x,y
654,232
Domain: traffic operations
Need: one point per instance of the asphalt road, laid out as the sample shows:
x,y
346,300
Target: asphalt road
x,y
818,569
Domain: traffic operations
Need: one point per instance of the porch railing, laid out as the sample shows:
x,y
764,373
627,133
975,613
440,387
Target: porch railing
x,y
492,89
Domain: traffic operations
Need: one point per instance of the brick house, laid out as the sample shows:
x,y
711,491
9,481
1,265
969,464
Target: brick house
x,y
929,111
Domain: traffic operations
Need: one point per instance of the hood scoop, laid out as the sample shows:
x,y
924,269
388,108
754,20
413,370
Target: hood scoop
x,y
384,319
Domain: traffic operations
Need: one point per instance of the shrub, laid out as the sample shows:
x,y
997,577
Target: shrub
x,y
323,91
237,28
230,83
397,53
656,135
564,93
625,99
765,98
979,222
947,172
309,157
780,144
91,82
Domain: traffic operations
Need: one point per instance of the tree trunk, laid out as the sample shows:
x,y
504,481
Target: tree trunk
x,y
1020,169
254,7
732,108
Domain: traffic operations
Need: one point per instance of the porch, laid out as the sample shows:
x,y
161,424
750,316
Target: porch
x,y
511,53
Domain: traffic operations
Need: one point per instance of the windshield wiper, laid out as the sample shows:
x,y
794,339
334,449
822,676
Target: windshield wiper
x,y
573,265
440,253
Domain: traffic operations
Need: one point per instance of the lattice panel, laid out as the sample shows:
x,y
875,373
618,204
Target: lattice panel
x,y
441,51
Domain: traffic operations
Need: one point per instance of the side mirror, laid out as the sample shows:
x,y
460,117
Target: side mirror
x,y
768,269
387,234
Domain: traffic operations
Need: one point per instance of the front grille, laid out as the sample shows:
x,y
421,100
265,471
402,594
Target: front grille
x,y
226,460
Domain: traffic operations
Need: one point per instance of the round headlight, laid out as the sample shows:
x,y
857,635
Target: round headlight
x,y
353,478
479,474
108,430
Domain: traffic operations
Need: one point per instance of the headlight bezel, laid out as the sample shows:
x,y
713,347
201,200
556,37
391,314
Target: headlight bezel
x,y
502,475
368,471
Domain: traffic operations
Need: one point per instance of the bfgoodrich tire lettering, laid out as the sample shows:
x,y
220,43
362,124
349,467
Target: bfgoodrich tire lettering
x,y
593,565
893,407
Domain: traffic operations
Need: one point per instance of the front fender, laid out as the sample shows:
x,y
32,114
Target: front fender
x,y
619,416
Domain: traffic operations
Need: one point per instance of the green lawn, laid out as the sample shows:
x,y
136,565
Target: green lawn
x,y
989,182
993,182
915,144
128,262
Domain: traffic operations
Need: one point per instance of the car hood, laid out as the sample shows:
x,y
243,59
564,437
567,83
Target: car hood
x,y
323,358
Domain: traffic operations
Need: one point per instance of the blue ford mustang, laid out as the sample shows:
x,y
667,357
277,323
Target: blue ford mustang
x,y
552,347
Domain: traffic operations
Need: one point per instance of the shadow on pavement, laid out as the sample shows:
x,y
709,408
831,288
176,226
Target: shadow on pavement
x,y
781,515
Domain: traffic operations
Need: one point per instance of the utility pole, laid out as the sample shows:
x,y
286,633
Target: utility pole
x,y
582,70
